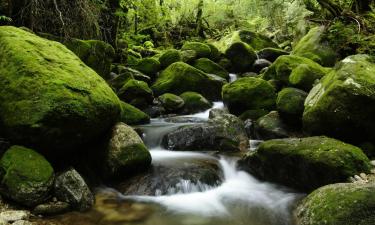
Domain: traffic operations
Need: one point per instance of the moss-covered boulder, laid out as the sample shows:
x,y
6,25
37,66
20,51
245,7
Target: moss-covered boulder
x,y
132,57
149,66
337,204
170,56
271,54
242,56
248,93
181,77
306,163
48,97
171,102
96,54
189,56
314,47
136,92
342,105
272,126
126,152
194,102
202,50
215,52
124,75
296,71
208,66
26,176
290,104
132,116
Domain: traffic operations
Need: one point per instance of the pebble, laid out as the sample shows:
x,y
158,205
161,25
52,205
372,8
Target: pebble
x,y
14,215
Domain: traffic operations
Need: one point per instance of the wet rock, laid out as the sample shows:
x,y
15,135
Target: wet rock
x,y
337,204
260,64
136,93
70,187
271,126
131,115
149,66
51,208
290,105
241,55
248,93
126,152
175,176
171,102
11,216
155,111
202,50
305,163
170,56
194,102
271,54
249,127
225,132
208,66
125,74
23,222
26,176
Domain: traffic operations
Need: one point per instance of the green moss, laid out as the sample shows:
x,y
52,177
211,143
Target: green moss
x,y
306,163
272,126
296,71
171,102
27,177
48,97
290,103
313,46
337,204
181,77
195,102
201,49
133,89
169,57
253,114
133,57
242,56
149,66
209,66
237,95
135,155
342,105
189,56
271,54
132,116
215,53
96,54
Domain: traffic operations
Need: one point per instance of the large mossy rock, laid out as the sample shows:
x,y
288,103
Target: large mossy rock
x,y
242,57
26,176
126,152
342,105
248,93
96,54
124,75
194,102
272,126
290,104
149,66
314,47
271,54
132,116
208,66
48,97
170,56
295,71
181,77
306,163
202,50
171,102
136,93
337,204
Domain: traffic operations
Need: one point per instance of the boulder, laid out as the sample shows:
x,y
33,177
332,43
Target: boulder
x,y
48,97
342,105
26,176
260,64
132,116
171,102
248,93
181,77
305,163
96,54
189,56
126,153
195,102
290,104
124,75
51,208
242,57
149,66
70,187
202,50
224,132
271,54
170,56
295,71
136,93
215,52
337,204
314,47
211,67
271,126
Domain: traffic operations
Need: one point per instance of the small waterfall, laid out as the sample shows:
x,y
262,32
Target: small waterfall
x,y
232,77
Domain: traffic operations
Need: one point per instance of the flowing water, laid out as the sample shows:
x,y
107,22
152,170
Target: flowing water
x,y
237,198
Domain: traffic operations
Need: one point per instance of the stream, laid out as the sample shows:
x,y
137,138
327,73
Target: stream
x,y
175,192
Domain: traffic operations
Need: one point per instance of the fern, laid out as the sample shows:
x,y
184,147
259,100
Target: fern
x,y
5,19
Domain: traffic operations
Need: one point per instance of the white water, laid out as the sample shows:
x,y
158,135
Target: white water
x,y
204,115
232,77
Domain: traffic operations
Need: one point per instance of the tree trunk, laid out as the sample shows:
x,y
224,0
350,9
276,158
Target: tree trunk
x,y
361,6
331,6
199,21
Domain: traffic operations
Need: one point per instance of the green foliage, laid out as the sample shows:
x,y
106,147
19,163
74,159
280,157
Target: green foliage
x,y
5,19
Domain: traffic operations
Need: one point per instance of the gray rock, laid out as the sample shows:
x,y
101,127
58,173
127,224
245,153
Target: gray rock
x,y
223,132
23,222
70,187
271,126
14,215
51,208
260,64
